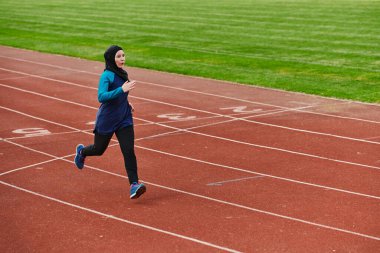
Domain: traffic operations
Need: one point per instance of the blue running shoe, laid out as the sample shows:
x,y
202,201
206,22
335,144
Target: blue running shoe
x,y
79,158
137,190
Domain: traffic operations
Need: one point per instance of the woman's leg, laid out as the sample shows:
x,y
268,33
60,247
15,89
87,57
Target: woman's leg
x,y
100,145
126,137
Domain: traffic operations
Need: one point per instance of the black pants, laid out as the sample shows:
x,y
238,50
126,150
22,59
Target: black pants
x,y
126,138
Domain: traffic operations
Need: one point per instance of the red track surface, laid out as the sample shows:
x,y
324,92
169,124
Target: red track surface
x,y
227,167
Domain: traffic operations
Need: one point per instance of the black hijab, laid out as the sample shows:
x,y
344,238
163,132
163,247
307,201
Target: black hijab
x,y
109,56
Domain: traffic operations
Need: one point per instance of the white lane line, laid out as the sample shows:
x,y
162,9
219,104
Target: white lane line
x,y
372,138
62,158
204,125
121,219
50,134
258,173
32,165
210,163
208,94
246,119
232,181
208,135
13,78
55,159
228,203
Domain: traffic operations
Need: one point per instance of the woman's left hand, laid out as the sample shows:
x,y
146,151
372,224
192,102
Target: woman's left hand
x,y
132,108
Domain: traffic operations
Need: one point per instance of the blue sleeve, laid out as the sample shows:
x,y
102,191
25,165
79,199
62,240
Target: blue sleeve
x,y
103,94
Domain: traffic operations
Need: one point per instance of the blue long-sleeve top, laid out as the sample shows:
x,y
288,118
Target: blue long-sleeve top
x,y
114,112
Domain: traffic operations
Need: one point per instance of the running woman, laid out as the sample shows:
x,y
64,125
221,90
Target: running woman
x,y
114,116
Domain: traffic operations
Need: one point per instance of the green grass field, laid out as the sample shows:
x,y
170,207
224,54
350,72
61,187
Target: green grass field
x,y
328,48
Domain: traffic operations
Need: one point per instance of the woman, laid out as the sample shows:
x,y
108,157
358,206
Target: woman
x,y
114,116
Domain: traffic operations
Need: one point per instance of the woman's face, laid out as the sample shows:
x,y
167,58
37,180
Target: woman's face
x,y
120,58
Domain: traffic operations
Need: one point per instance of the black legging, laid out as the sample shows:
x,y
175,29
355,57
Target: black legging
x,y
126,138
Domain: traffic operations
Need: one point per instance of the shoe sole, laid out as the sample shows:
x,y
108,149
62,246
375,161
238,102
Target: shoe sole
x,y
140,191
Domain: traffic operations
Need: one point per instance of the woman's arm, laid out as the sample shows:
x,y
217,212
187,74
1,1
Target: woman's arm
x,y
103,94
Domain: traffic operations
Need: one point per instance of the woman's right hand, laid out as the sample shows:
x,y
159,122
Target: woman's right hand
x,y
127,86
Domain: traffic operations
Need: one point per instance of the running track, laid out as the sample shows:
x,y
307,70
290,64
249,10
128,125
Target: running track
x,y
228,168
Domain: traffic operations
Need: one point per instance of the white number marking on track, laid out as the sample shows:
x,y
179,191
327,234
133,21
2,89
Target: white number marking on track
x,y
32,131
176,116
239,109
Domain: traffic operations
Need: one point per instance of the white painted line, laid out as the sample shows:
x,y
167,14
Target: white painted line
x,y
47,96
372,138
246,119
39,163
57,133
229,203
205,162
212,124
258,173
273,214
55,159
32,165
195,127
232,180
281,150
13,78
121,219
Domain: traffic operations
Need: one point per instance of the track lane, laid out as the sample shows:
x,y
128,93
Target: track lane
x,y
61,226
167,215
284,158
61,145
